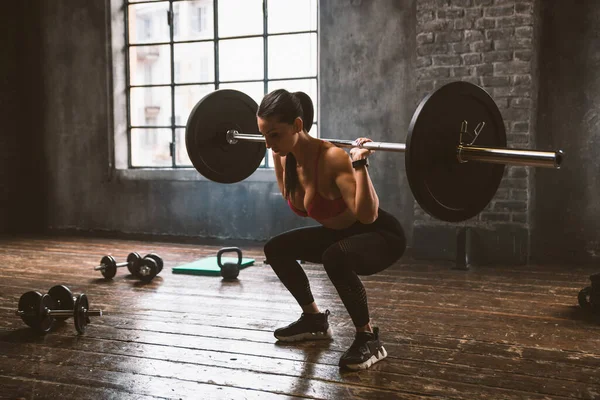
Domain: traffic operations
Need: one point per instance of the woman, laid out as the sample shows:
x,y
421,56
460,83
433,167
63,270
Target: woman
x,y
355,238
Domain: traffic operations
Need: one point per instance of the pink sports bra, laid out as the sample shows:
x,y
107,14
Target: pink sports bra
x,y
321,208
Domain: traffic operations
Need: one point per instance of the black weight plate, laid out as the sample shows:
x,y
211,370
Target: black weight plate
x,y
81,317
159,261
206,142
149,268
63,297
46,321
133,260
31,304
443,187
110,267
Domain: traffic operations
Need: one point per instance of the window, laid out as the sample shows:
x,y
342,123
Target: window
x,y
180,50
199,22
175,20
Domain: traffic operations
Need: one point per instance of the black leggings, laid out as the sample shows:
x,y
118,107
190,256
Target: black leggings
x,y
361,249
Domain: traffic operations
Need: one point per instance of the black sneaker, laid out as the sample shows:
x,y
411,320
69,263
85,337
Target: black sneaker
x,y
308,327
365,351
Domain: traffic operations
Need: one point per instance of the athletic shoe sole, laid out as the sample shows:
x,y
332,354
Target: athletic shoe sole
x,y
307,336
381,354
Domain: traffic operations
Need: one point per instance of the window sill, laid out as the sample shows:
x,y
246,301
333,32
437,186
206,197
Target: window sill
x,y
184,174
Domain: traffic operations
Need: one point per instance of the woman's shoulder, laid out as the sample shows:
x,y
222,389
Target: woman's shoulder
x,y
331,150
334,156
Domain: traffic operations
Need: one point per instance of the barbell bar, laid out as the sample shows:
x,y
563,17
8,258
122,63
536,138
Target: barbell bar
x,y
452,177
464,153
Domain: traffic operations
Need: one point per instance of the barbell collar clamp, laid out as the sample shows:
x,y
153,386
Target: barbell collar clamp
x,y
230,136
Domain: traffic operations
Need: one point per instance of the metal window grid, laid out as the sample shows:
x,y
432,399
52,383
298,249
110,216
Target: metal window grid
x,y
216,40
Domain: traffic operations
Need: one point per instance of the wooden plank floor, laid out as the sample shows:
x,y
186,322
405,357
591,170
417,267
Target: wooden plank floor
x,y
492,332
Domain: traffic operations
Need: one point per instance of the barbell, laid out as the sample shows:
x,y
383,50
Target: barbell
x,y
455,150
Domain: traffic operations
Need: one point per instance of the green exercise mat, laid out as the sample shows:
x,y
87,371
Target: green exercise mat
x,y
209,266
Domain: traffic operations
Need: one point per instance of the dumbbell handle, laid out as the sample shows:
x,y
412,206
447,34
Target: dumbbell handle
x,y
119,265
61,313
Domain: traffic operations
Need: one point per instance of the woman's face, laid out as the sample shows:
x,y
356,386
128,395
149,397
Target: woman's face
x,y
279,136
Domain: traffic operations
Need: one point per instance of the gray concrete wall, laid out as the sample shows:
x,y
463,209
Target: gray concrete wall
x,y
77,93
567,216
366,86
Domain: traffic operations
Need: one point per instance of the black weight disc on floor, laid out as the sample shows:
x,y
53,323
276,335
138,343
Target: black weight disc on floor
x,y
81,318
63,297
31,304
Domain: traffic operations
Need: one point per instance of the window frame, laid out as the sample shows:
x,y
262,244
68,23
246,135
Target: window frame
x,y
121,51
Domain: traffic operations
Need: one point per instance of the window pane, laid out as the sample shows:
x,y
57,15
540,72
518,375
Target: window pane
x,y
150,65
137,1
193,20
150,106
241,59
151,148
186,97
194,62
181,156
256,90
292,55
292,16
240,17
148,23
308,86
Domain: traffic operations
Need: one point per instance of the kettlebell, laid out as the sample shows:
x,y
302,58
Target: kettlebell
x,y
229,271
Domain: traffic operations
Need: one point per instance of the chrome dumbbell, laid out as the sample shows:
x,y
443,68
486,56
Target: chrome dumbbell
x,y
40,311
108,265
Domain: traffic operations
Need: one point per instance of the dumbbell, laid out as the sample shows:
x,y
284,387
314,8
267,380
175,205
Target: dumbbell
x,y
108,265
149,267
144,268
40,311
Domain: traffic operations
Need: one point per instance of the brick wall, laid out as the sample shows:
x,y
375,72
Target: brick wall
x,y
489,43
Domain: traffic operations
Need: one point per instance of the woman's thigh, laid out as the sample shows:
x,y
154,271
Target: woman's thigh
x,y
306,244
369,253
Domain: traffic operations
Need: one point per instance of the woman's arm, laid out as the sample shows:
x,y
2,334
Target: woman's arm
x,y
355,185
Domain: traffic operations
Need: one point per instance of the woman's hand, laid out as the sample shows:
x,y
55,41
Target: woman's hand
x,y
357,153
